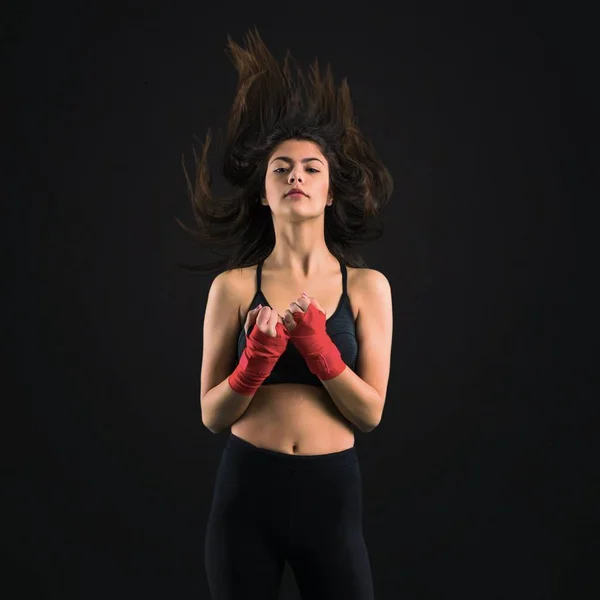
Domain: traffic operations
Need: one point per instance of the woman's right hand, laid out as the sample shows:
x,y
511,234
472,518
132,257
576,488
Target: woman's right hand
x,y
265,318
263,349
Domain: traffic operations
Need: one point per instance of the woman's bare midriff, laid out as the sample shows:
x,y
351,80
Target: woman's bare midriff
x,y
295,418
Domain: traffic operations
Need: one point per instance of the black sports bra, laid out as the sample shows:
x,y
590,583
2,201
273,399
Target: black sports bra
x,y
291,367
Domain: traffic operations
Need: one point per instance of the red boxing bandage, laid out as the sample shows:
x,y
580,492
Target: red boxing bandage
x,y
261,353
314,344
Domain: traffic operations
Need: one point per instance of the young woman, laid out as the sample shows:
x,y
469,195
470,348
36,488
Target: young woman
x,y
297,334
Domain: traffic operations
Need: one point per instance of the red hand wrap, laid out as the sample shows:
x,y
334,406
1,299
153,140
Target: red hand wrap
x,y
261,353
314,344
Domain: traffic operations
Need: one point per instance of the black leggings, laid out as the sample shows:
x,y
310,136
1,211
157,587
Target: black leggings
x,y
269,507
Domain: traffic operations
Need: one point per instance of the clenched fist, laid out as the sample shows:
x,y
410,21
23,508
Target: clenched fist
x,y
265,318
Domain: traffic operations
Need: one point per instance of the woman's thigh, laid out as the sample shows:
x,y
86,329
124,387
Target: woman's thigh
x,y
327,550
241,561
243,554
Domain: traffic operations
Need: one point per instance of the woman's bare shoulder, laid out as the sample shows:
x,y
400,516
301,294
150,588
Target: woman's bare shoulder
x,y
360,282
240,277
364,279
240,282
356,278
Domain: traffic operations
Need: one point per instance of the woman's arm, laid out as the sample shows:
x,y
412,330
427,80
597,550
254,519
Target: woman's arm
x,y
220,405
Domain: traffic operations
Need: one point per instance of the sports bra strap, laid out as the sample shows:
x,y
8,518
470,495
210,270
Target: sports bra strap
x,y
258,274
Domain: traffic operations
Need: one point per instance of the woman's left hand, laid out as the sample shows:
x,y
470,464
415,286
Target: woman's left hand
x,y
305,321
300,305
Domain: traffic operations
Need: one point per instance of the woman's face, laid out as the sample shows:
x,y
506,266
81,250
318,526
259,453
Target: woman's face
x,y
297,164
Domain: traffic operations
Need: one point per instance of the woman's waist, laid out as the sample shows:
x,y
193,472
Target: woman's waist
x,y
293,404
288,419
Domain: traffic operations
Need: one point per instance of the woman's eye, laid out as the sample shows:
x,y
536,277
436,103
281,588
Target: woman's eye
x,y
281,169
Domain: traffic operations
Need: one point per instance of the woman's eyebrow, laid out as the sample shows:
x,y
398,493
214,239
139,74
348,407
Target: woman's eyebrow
x,y
287,159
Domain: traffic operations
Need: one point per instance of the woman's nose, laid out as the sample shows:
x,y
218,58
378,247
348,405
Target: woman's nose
x,y
294,176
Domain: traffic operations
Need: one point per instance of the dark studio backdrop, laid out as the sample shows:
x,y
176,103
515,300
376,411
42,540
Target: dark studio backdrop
x,y
468,489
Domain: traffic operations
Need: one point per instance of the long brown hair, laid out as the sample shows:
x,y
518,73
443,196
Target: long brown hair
x,y
272,104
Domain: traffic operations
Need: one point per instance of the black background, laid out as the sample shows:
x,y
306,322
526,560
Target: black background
x,y
470,487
